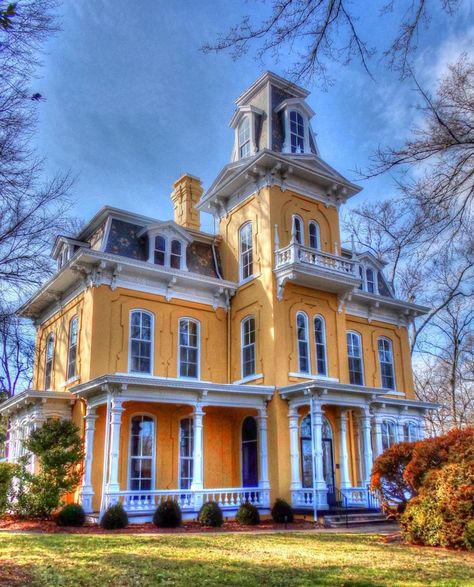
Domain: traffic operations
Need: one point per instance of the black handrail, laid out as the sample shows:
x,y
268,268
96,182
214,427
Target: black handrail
x,y
341,505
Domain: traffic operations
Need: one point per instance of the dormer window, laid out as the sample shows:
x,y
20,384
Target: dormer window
x,y
160,250
167,244
244,138
297,132
370,280
176,254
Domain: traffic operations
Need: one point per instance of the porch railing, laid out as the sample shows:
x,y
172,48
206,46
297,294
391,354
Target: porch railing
x,y
189,500
296,253
349,497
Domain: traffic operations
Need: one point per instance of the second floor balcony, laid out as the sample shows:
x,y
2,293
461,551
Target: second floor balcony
x,y
314,268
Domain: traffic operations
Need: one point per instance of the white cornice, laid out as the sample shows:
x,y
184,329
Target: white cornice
x,y
31,396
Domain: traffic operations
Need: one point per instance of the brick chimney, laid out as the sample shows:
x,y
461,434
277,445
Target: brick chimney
x,y
187,191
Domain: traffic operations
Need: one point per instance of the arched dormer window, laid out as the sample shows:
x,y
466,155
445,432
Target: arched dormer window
x,y
167,251
354,355
370,275
298,230
48,366
320,345
245,251
303,342
160,250
248,347
297,132
385,351
244,138
189,344
176,254
314,235
141,342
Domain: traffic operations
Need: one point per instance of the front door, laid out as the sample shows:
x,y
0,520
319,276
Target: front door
x,y
328,470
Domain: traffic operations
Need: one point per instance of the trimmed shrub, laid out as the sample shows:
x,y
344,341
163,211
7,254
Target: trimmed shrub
x,y
168,514
114,518
211,515
282,512
71,515
7,472
248,515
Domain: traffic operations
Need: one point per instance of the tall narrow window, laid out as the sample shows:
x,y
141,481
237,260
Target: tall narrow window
x,y
244,138
361,275
354,353
186,428
314,235
320,344
410,432
248,347
246,251
142,442
303,342
176,254
141,338
306,452
160,250
389,436
370,281
296,132
72,348
188,348
249,453
298,230
386,363
48,366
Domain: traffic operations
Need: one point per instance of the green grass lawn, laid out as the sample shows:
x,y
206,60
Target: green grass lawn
x,y
229,559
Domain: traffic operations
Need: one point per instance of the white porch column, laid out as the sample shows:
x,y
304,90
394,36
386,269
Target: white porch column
x,y
317,426
294,449
378,436
87,491
365,421
198,481
116,410
263,480
343,455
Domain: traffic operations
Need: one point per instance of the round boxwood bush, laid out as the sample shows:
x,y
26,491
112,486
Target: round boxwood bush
x,y
248,515
167,514
282,512
211,515
71,515
114,518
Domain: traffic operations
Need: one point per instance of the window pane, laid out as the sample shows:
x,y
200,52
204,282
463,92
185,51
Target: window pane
x,y
188,349
140,342
246,251
354,353
303,343
320,344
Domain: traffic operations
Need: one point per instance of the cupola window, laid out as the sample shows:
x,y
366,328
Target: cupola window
x,y
244,138
296,132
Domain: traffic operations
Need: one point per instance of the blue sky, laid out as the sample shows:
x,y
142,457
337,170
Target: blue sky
x,y
131,103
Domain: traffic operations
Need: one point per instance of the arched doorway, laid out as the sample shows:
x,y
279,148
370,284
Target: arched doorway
x,y
249,453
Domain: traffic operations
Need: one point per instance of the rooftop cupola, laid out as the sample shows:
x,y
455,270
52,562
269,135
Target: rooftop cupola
x,y
187,191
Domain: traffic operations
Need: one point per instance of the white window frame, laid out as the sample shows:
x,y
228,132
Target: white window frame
x,y
305,341
388,428
323,344
153,457
359,338
249,252
243,346
188,457
294,219
247,143
406,431
198,348
318,235
298,136
168,243
70,347
392,364
374,274
152,341
49,338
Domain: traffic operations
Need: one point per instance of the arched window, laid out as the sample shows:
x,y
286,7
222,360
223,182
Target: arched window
x,y
303,342
244,137
48,365
307,453
314,235
249,453
141,341
297,230
296,132
320,345
72,348
386,363
389,435
370,280
410,432
354,354
186,430
142,448
246,251
189,348
176,254
248,347
160,250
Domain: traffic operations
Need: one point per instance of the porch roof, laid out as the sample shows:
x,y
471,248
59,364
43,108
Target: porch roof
x,y
32,396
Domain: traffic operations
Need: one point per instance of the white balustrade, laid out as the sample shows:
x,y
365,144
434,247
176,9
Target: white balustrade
x,y
295,253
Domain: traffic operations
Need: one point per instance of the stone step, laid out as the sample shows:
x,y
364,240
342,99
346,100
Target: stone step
x,y
336,521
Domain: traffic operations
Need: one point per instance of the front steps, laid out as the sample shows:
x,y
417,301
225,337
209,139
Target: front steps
x,y
351,519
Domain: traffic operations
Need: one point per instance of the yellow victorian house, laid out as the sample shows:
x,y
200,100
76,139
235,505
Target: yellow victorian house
x,y
264,361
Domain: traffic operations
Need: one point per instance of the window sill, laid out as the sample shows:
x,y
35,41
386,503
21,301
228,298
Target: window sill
x,y
70,380
248,379
300,375
243,282
393,392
